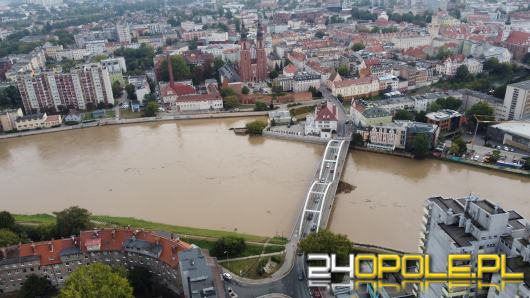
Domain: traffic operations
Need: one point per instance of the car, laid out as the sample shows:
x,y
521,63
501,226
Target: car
x,y
327,165
310,216
161,109
498,147
301,275
506,148
476,157
322,181
227,276
313,227
511,150
231,293
300,253
315,200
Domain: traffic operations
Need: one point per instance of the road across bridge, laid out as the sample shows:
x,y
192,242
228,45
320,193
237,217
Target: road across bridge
x,y
321,194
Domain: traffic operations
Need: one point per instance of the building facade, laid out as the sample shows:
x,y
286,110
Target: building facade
x,y
252,70
87,84
517,101
57,259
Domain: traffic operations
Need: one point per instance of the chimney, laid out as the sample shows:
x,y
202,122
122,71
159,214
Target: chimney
x,y
50,245
170,70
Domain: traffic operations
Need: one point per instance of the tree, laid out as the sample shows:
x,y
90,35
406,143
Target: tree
x,y
357,139
420,116
97,280
192,44
34,286
117,89
403,115
150,109
131,92
245,90
141,280
218,63
462,74
327,242
434,107
482,110
149,97
181,70
227,91
8,238
7,221
255,127
420,146
230,102
273,74
458,146
10,98
449,103
343,70
320,34
229,245
358,46
495,156
71,221
260,106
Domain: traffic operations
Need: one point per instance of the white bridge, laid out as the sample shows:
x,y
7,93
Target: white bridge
x,y
321,195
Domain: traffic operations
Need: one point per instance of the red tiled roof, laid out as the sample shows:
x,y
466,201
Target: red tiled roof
x,y
360,81
327,113
518,37
290,69
177,89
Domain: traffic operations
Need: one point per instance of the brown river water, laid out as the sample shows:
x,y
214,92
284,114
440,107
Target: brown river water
x,y
198,173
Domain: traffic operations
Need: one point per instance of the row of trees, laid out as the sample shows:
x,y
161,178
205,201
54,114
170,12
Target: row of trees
x,y
68,222
10,98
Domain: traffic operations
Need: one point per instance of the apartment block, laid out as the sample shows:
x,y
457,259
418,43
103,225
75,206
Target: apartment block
x,y
84,85
474,226
517,101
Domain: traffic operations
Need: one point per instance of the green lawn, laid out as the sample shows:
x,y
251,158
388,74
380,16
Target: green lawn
x,y
250,250
110,114
250,268
128,114
106,220
35,218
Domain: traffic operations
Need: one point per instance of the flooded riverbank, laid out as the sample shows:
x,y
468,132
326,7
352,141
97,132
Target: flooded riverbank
x,y
199,173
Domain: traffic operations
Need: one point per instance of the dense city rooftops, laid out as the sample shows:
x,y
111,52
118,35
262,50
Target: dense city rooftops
x,y
51,252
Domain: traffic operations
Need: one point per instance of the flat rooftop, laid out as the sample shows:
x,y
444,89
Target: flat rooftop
x,y
518,128
489,207
458,234
523,85
447,204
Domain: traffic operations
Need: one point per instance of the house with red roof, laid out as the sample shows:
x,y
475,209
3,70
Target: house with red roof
x,y
289,70
323,122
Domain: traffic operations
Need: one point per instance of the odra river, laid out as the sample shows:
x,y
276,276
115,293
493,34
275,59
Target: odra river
x,y
198,173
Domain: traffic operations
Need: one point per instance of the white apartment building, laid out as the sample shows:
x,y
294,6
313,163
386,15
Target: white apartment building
x,y
73,54
404,42
473,226
517,101
123,32
116,64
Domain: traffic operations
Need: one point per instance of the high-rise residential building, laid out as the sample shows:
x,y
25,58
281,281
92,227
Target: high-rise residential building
x,y
123,32
517,101
86,84
474,226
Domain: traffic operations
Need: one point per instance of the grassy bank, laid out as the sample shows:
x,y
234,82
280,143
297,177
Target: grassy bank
x,y
186,232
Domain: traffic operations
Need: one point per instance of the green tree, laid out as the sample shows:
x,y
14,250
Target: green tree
x,y
420,116
256,127
218,63
149,97
227,91
137,60
358,46
8,238
434,107
495,156
117,89
420,146
228,246
71,221
343,70
481,110
142,281
181,71
150,109
260,106
320,34
462,74
230,102
7,221
458,146
97,280
131,92
403,115
245,90
34,286
357,139
449,103
327,242
274,74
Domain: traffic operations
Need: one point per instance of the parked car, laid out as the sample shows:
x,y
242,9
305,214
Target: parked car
x,y
231,293
301,275
310,216
313,227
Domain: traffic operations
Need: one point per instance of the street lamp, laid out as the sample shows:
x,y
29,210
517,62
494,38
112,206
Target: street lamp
x,y
226,253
